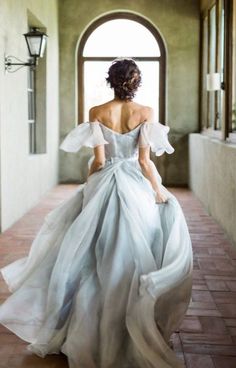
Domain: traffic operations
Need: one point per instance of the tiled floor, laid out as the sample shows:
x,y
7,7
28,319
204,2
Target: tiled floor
x,y
207,336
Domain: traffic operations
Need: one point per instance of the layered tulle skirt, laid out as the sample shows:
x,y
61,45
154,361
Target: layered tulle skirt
x,y
108,276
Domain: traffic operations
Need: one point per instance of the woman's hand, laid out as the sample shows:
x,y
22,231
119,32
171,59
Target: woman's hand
x,y
161,198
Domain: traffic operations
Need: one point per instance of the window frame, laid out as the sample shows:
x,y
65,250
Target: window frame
x,y
31,95
225,132
161,59
229,135
37,100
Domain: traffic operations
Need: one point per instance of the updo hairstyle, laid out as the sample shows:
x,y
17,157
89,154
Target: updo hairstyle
x,y
125,77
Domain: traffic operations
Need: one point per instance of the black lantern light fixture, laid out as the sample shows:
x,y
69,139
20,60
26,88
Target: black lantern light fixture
x,y
36,43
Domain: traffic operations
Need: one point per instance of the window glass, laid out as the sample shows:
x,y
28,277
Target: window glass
x,y
212,64
234,70
218,102
118,38
96,90
31,109
204,72
121,37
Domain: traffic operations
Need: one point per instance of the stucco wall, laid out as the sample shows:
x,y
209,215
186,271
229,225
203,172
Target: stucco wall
x,y
213,178
204,4
178,22
24,177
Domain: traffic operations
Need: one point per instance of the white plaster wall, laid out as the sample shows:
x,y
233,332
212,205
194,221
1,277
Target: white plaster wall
x,y
25,177
213,178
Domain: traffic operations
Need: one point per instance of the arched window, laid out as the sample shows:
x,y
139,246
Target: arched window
x,y
121,35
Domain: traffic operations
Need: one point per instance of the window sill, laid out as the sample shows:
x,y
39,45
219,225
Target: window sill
x,y
218,135
211,133
231,138
36,154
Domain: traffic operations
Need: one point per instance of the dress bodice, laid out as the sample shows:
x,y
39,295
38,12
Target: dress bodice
x,y
118,145
121,145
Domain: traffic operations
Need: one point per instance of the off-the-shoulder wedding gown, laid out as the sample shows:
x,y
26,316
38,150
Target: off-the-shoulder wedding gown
x,y
108,277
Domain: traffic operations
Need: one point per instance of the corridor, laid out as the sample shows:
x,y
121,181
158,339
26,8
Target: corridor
x,y
207,336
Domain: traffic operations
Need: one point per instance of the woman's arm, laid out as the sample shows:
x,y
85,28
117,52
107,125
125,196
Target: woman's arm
x,y
147,170
99,151
146,164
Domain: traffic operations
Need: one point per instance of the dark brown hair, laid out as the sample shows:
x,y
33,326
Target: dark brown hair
x,y
125,77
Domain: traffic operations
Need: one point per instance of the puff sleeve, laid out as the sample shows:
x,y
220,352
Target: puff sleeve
x,y
155,135
88,134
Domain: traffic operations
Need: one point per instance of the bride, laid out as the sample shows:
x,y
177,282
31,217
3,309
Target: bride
x,y
108,276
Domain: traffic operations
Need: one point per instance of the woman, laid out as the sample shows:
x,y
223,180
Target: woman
x,y
108,276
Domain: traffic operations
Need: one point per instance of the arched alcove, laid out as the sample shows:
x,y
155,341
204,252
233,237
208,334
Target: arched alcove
x,y
121,35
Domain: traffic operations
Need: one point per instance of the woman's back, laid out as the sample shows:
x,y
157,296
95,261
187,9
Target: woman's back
x,y
121,116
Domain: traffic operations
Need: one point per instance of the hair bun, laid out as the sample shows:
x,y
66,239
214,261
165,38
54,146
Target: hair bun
x,y
125,77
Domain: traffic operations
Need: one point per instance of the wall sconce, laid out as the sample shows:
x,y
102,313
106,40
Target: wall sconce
x,y
213,82
36,43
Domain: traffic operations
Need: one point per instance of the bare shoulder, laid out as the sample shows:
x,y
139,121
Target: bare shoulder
x,y
96,111
147,113
93,113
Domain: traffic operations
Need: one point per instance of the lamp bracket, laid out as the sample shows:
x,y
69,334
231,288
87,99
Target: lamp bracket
x,y
20,63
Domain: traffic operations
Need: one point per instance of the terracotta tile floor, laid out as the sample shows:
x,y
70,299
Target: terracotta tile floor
x,y
207,336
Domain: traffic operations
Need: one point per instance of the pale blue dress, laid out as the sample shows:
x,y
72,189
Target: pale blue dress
x,y
108,277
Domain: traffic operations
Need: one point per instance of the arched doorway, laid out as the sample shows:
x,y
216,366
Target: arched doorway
x,y
121,35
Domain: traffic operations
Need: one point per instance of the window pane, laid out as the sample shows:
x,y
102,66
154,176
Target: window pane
x,y
121,37
212,39
96,91
31,110
234,70
220,94
204,71
212,65
148,93
31,115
